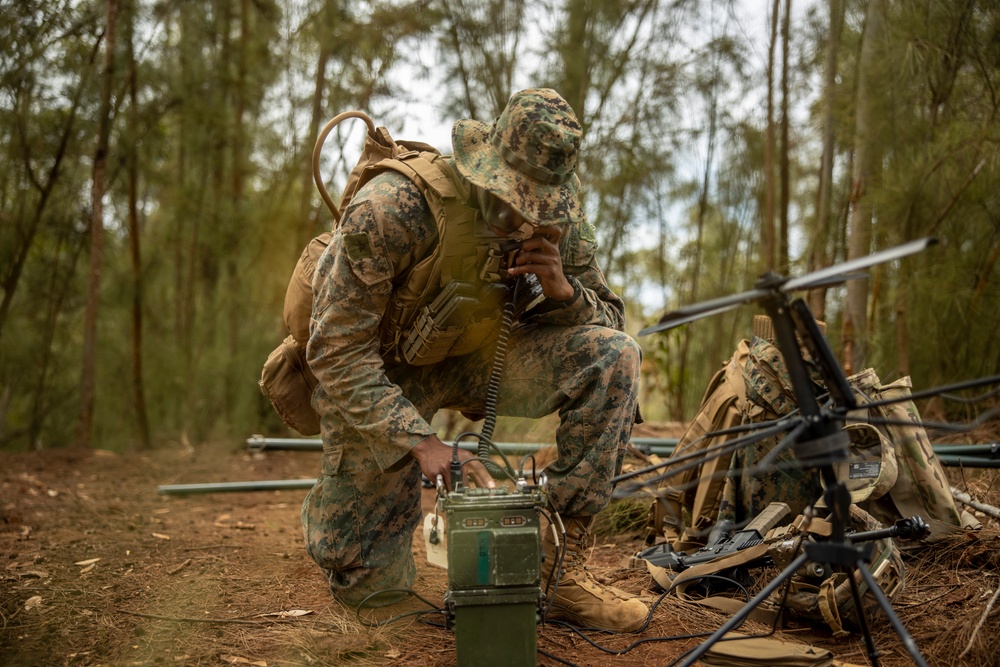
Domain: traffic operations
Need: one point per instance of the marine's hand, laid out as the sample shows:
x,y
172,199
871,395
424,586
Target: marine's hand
x,y
540,255
434,458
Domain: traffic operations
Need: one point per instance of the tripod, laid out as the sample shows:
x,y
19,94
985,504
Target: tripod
x,y
819,442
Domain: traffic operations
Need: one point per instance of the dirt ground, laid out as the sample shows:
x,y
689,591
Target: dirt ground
x,y
98,568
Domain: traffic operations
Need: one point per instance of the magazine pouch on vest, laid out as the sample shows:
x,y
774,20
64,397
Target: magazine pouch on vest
x,y
439,325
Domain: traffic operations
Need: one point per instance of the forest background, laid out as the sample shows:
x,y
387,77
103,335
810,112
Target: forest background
x,y
155,190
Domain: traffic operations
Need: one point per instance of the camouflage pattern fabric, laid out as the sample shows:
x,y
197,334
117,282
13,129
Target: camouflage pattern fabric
x,y
909,479
359,518
528,156
830,599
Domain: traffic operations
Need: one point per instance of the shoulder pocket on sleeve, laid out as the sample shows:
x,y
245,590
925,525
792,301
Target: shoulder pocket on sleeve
x,y
365,248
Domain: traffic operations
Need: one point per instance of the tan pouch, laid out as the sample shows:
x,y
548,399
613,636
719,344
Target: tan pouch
x,y
427,343
288,384
737,651
299,293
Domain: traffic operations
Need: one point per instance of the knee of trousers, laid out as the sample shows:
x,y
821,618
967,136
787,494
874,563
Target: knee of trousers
x,y
347,530
596,367
629,356
617,361
381,584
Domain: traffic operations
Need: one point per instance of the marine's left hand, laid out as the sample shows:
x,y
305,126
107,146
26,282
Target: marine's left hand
x,y
540,255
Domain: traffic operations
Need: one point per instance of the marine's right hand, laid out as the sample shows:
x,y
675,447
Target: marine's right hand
x,y
434,458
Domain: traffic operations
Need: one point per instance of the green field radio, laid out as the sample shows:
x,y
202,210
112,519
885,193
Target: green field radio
x,y
494,597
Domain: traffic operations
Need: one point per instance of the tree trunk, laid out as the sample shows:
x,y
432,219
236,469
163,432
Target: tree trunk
x,y
902,336
183,299
85,424
820,255
703,196
577,74
865,166
768,232
465,76
306,214
783,264
138,383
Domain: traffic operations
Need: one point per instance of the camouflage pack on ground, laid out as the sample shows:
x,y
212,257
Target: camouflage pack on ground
x,y
892,472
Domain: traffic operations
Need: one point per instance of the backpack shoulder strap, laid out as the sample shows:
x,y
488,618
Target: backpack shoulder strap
x,y
446,195
722,407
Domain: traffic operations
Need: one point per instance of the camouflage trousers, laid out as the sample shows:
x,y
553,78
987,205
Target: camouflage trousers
x,y
359,520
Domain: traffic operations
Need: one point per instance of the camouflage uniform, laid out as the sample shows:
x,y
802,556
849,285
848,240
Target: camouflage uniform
x,y
569,357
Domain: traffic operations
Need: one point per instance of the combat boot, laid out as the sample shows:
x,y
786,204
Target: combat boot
x,y
579,598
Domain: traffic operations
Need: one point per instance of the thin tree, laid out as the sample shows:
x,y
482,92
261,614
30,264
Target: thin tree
x,y
324,35
819,247
767,226
85,424
135,254
482,41
784,167
855,332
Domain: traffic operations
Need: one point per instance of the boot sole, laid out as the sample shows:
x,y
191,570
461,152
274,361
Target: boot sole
x,y
563,614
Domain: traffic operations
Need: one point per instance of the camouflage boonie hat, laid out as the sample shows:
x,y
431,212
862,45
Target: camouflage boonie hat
x,y
527,158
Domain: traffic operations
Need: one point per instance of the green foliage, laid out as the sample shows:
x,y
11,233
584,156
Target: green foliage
x,y
939,179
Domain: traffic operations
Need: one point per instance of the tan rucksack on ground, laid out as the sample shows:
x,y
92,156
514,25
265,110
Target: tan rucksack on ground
x,y
892,474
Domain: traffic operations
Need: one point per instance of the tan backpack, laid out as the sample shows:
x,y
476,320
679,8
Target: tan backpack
x,y
892,473
286,379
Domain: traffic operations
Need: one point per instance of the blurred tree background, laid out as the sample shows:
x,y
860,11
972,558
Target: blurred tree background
x,y
156,192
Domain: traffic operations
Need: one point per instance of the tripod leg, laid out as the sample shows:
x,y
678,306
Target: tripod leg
x,y
866,632
739,617
883,602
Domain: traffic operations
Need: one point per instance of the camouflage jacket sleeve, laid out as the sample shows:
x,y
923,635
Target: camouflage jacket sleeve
x,y
384,231
593,302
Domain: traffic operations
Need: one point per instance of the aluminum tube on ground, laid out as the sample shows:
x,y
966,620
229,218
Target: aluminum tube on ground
x,y
265,485
659,446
